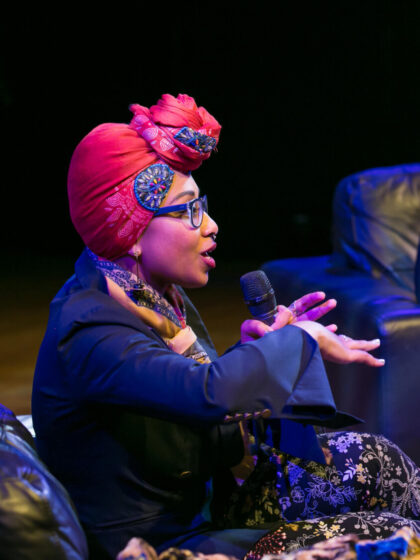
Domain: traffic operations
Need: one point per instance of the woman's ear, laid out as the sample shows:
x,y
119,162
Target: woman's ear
x,y
135,250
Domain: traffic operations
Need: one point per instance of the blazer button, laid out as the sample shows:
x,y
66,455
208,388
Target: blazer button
x,y
185,474
266,413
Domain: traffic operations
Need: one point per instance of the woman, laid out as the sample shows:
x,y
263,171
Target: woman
x,y
133,410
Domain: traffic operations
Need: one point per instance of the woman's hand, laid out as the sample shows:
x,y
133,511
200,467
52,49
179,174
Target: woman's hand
x,y
341,349
305,308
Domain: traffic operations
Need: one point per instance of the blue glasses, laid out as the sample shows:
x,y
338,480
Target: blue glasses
x,y
195,209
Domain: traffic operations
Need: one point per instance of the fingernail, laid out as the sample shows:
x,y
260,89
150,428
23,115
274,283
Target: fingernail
x,y
377,341
382,361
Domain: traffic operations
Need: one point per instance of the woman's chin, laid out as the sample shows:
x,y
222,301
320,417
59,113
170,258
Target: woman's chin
x,y
193,283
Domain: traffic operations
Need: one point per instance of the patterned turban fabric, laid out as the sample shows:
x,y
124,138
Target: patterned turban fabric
x,y
120,173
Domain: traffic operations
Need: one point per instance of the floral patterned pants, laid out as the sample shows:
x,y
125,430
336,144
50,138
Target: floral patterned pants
x,y
368,487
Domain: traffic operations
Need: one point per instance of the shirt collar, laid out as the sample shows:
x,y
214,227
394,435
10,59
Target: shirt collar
x,y
88,275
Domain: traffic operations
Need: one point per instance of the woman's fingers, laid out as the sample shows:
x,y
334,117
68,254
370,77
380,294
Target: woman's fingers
x,y
283,317
364,357
367,345
301,308
318,311
300,305
251,329
359,350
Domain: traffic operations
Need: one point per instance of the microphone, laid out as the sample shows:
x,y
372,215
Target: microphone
x,y
259,296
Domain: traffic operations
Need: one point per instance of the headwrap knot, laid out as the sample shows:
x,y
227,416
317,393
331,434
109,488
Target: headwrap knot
x,y
179,131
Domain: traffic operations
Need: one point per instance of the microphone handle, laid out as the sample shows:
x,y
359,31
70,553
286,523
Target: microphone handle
x,y
267,318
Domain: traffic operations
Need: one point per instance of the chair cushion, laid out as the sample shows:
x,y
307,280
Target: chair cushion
x,y
376,225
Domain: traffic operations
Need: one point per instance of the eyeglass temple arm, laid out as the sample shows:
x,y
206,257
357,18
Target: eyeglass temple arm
x,y
168,209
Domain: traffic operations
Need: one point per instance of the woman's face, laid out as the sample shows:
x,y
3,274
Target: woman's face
x,y
171,250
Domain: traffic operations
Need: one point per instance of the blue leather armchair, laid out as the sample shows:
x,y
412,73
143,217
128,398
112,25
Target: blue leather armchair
x,y
37,518
372,273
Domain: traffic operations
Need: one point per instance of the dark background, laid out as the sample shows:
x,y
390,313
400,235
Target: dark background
x,y
305,94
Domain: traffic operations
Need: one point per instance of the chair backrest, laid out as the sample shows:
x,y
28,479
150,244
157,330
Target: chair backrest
x,y
376,221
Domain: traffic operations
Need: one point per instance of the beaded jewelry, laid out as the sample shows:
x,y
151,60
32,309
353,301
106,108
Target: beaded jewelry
x,y
152,184
195,140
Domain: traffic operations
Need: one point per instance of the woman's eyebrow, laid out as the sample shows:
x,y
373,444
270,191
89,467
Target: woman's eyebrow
x,y
184,193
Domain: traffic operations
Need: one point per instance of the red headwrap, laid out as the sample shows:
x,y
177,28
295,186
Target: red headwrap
x,y
105,209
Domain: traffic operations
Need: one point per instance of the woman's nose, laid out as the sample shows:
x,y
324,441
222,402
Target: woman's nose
x,y
209,226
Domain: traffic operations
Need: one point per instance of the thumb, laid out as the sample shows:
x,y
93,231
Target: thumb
x,y
284,317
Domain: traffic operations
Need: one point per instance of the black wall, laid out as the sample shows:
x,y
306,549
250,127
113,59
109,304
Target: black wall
x,y
306,95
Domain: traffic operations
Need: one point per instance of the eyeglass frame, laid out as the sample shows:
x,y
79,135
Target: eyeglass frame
x,y
186,206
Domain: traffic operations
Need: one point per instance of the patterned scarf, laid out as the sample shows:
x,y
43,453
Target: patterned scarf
x,y
165,315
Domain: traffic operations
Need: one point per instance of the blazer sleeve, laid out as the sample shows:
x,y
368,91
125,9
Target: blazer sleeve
x,y
110,356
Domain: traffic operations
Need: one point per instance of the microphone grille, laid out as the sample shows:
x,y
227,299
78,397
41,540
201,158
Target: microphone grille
x,y
255,284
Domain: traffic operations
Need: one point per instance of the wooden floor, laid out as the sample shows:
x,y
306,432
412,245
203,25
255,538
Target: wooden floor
x,y
28,285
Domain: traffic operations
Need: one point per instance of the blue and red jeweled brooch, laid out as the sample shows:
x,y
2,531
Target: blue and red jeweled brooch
x,y
152,184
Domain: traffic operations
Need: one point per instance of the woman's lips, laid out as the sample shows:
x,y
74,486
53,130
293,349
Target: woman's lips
x,y
210,262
